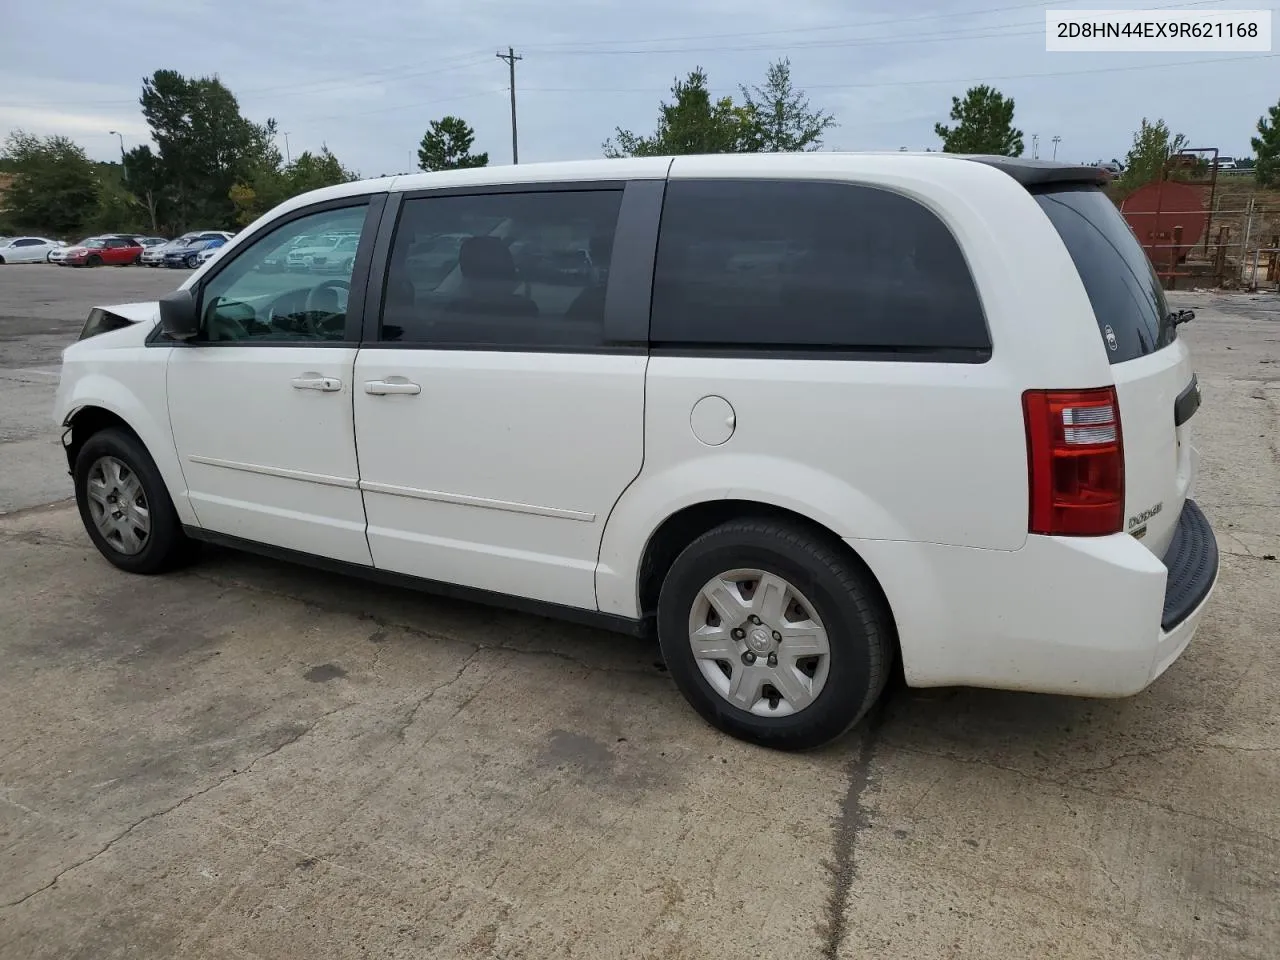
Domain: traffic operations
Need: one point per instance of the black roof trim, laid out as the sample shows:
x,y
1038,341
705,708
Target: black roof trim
x,y
1039,173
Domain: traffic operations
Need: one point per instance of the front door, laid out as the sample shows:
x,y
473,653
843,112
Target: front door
x,y
260,402
499,416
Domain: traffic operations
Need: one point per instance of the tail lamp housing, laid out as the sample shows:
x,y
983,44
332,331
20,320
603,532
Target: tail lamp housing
x,y
1075,462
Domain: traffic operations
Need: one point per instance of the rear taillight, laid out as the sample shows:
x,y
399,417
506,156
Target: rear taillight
x,y
1075,461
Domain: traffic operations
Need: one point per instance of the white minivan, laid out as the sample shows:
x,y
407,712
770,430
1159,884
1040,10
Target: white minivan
x,y
800,414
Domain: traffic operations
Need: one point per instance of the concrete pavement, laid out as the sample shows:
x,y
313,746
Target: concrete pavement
x,y
248,759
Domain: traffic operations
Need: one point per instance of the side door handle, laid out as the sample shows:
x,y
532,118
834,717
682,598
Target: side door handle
x,y
380,388
313,381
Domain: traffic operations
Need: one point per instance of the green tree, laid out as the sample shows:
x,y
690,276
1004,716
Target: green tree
x,y
205,146
55,188
117,207
784,120
311,171
1146,160
268,183
693,123
145,180
1266,146
447,146
984,124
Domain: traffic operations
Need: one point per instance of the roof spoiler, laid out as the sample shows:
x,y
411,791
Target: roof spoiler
x,y
1044,173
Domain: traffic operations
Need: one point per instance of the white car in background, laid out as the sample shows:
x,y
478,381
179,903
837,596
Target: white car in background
x,y
207,254
27,249
319,254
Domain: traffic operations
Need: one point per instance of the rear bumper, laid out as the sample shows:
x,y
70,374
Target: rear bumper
x,y
1087,616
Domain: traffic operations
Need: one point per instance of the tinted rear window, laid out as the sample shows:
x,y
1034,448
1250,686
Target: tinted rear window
x,y
807,265
1123,289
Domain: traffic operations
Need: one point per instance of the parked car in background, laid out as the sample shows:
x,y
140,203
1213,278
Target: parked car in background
x,y
26,249
322,251
154,256
211,248
109,250
188,254
149,242
338,259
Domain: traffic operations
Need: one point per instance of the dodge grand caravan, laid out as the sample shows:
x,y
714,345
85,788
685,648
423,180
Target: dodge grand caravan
x,y
799,414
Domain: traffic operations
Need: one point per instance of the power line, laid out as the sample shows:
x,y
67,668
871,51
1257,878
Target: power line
x,y
587,47
911,83
824,28
466,61
418,104
318,86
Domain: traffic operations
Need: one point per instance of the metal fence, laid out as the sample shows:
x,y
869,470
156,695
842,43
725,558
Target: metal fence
x,y
1240,248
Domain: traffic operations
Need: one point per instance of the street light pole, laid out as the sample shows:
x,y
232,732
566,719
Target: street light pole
x,y
1056,140
124,173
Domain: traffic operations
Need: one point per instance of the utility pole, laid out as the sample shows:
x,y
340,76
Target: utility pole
x,y
1056,140
511,58
124,172
287,158
1035,146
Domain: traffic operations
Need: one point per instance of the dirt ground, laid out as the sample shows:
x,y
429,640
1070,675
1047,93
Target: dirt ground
x,y
249,759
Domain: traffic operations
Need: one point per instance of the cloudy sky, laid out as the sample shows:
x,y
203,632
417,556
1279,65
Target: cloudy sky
x,y
365,77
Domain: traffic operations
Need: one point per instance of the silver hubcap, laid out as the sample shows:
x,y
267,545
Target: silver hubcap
x,y
118,505
759,642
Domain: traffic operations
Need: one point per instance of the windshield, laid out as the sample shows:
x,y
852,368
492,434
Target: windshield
x,y
92,243
1124,291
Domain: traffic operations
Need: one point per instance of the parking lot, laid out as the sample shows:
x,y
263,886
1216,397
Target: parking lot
x,y
249,759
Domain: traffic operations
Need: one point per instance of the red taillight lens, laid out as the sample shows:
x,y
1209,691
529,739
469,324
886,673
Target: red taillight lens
x,y
1075,461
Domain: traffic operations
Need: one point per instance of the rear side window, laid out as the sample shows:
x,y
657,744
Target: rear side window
x,y
1124,291
523,270
807,265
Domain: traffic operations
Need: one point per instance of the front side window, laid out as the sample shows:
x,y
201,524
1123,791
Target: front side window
x,y
255,299
504,270
794,264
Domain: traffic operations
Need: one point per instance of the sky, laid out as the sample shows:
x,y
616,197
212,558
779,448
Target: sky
x,y
366,77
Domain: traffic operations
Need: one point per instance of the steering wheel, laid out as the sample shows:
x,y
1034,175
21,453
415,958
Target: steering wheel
x,y
314,327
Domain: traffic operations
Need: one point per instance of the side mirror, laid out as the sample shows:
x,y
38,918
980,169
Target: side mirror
x,y
178,315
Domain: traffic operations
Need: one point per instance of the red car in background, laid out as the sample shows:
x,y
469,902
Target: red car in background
x,y
114,250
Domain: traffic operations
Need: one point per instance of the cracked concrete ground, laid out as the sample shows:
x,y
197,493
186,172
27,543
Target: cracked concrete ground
x,y
249,759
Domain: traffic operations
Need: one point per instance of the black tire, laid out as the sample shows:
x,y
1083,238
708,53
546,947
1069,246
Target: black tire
x,y
166,546
192,262
859,628
94,261
1,261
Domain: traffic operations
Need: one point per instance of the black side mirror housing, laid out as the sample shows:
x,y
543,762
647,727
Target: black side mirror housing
x,y
178,315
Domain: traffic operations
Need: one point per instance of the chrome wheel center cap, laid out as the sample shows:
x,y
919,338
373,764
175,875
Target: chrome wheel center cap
x,y
759,639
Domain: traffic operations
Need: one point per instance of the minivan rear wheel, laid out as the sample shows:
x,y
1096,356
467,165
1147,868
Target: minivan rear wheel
x,y
125,506
774,634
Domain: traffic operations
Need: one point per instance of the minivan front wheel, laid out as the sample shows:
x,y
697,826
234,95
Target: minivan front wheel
x,y
125,506
774,634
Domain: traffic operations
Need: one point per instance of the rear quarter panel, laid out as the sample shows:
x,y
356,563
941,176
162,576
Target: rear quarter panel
x,y
886,449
